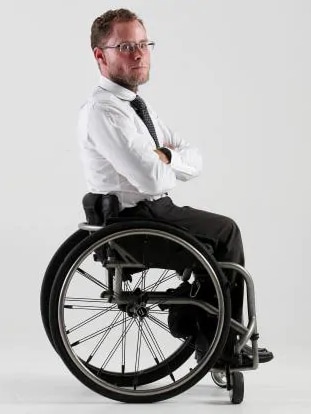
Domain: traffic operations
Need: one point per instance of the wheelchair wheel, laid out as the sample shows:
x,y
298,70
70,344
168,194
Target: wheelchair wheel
x,y
237,387
113,334
149,375
50,274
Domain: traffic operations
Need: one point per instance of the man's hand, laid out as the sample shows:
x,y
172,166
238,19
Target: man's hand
x,y
162,156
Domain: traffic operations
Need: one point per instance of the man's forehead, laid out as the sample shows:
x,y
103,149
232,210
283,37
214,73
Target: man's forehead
x,y
131,31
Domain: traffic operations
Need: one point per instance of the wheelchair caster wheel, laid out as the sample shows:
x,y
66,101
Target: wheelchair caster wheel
x,y
219,379
237,387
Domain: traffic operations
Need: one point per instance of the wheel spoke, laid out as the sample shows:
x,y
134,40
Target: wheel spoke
x,y
165,327
99,332
123,343
164,277
138,282
156,284
91,278
160,280
159,323
86,307
92,318
72,299
102,339
149,345
155,342
138,348
116,346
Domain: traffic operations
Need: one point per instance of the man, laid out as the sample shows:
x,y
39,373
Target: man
x,y
127,150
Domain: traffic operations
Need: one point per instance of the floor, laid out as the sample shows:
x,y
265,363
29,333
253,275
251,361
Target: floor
x,y
40,383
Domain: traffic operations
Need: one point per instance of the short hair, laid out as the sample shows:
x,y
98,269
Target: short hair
x,y
102,25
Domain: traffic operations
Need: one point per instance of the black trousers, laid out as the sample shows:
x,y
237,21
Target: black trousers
x,y
221,232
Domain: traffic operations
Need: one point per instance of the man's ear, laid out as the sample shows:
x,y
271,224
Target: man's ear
x,y
100,57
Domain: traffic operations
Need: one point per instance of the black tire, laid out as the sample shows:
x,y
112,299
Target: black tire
x,y
50,273
59,332
237,387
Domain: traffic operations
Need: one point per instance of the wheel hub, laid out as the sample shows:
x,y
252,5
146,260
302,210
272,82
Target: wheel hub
x,y
135,310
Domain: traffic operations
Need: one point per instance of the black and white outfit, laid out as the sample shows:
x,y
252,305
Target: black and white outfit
x,y
118,156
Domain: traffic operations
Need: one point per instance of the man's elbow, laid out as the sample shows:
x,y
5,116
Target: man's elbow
x,y
188,173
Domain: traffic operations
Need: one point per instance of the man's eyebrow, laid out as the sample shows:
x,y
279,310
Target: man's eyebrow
x,y
132,41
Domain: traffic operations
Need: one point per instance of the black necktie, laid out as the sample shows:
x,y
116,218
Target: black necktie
x,y
141,109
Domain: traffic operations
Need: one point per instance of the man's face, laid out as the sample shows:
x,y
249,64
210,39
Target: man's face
x,y
127,69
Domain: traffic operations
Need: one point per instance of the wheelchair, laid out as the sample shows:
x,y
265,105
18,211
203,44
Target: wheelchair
x,y
105,302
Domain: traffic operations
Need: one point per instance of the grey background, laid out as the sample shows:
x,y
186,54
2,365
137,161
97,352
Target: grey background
x,y
232,77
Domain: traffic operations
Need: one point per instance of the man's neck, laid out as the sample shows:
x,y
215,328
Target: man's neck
x,y
133,88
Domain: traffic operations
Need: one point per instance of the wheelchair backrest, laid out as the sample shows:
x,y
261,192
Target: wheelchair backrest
x,y
100,207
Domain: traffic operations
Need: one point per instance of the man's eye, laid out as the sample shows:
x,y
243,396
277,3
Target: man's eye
x,y
125,47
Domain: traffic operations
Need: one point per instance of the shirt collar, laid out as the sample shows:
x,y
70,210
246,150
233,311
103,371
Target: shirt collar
x,y
116,89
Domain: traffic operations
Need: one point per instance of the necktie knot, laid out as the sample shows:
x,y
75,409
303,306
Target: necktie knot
x,y
138,104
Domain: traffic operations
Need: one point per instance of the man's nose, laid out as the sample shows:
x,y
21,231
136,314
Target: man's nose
x,y
138,53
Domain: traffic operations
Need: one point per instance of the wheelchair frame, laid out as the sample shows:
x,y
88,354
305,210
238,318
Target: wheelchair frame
x,y
234,378
247,333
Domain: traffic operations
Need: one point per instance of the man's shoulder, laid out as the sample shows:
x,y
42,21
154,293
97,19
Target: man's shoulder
x,y
102,102
102,96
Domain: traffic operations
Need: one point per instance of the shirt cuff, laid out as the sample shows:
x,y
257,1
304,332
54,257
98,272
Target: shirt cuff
x,y
175,160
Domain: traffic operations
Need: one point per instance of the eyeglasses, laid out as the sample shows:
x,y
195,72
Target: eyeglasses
x,y
130,47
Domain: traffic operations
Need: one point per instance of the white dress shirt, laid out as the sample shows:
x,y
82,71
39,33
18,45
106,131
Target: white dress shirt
x,y
117,149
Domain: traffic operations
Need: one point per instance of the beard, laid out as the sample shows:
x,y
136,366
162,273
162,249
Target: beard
x,y
130,81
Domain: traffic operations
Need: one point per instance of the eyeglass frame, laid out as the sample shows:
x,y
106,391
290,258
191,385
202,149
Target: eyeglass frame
x,y
134,46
